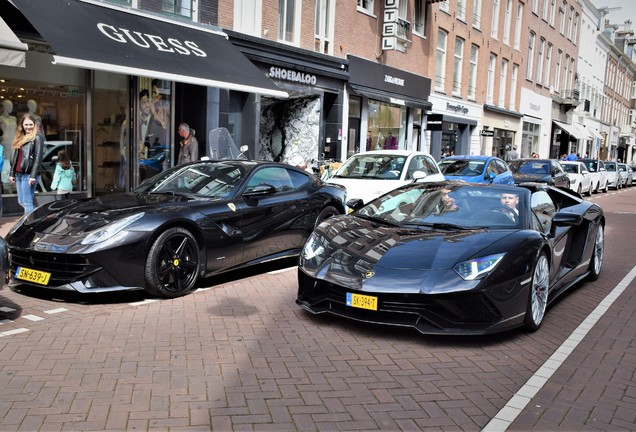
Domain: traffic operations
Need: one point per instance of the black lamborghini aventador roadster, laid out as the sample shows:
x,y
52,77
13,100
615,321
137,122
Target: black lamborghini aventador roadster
x,y
452,258
187,222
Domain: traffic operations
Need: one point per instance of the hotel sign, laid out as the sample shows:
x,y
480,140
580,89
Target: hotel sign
x,y
390,25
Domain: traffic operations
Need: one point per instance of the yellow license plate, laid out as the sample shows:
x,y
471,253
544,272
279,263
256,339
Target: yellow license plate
x,y
362,301
30,275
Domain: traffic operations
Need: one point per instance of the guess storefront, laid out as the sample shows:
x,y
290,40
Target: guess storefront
x,y
112,91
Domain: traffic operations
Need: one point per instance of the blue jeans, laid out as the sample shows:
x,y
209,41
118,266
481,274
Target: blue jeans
x,y
26,192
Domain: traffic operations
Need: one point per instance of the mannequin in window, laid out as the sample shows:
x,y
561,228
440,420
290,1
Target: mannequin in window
x,y
390,142
33,106
8,126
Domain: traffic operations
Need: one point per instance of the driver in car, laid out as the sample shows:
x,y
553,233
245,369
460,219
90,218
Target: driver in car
x,y
510,200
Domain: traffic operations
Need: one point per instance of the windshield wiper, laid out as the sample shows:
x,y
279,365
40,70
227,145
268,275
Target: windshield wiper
x,y
445,226
375,219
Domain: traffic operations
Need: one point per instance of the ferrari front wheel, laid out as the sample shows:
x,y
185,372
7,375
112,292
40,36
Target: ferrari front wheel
x,y
597,255
538,296
326,213
172,266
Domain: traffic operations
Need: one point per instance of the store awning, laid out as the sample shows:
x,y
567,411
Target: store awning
x,y
105,37
12,51
394,99
572,130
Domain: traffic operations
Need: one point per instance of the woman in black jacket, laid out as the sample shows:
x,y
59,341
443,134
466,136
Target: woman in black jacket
x,y
28,148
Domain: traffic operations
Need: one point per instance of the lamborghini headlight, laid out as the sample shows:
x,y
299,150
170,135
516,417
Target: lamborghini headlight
x,y
478,268
313,247
108,231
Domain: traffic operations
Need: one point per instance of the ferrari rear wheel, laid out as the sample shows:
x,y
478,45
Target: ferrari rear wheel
x,y
597,255
172,266
538,296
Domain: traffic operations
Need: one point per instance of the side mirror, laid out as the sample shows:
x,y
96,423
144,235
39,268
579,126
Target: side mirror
x,y
564,218
355,203
260,190
418,175
491,176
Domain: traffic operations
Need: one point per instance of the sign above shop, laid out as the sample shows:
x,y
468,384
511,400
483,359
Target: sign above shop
x,y
114,39
487,133
292,75
434,122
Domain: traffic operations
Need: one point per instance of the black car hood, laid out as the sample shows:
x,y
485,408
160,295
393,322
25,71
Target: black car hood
x,y
76,217
376,257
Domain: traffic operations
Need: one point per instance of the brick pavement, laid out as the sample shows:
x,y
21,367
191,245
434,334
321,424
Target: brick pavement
x,y
242,356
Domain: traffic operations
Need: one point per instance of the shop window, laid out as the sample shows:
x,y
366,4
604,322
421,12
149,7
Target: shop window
x,y
58,107
387,126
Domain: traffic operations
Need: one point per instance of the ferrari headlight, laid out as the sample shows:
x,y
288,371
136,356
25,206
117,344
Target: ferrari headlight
x,y
479,267
110,230
313,247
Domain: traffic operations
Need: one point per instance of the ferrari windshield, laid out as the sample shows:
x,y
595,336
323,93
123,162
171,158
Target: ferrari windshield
x,y
461,167
209,180
372,166
465,206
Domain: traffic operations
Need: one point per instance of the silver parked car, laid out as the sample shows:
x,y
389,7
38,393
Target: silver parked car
x,y
613,176
626,175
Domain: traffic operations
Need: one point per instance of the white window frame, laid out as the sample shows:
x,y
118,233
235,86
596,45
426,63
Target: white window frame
x,y
366,6
562,20
552,11
507,22
295,31
187,8
548,64
458,66
419,17
557,69
477,5
440,60
570,19
513,86
540,60
324,28
566,76
575,32
248,16
535,6
545,10
518,24
495,19
530,63
472,74
461,10
503,82
490,89
444,7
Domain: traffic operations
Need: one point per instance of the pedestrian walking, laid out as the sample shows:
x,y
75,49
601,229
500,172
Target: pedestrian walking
x,y
189,146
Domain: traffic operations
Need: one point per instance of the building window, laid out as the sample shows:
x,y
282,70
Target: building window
x,y
566,76
287,20
461,10
540,61
490,91
247,16
503,82
562,20
472,76
443,6
557,68
324,26
458,67
535,6
366,6
495,19
178,7
548,64
530,65
440,60
570,19
545,10
518,23
552,11
575,32
507,22
419,17
513,86
477,14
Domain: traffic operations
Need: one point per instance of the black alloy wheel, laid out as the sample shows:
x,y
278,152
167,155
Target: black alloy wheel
x,y
172,266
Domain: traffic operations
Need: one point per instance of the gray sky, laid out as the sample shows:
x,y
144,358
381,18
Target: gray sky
x,y
627,10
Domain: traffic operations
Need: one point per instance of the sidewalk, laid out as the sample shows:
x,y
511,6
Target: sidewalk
x,y
6,223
